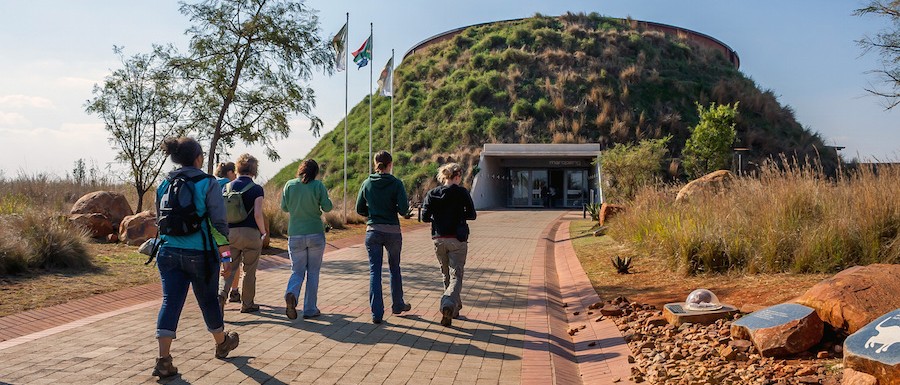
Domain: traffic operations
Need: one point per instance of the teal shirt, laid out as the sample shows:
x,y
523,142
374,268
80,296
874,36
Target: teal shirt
x,y
207,197
305,202
382,198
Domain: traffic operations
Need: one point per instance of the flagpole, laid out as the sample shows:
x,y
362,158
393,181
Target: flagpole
x,y
346,104
371,65
391,76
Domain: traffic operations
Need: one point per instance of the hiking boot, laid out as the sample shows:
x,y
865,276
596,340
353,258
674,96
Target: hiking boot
x,y
234,296
290,306
406,307
250,309
164,367
446,316
232,340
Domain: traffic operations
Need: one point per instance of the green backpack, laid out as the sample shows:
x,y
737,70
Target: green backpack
x,y
235,212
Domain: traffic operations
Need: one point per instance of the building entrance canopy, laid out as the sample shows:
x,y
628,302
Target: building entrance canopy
x,y
537,175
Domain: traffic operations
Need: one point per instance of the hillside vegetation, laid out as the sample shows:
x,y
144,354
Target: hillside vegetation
x,y
569,79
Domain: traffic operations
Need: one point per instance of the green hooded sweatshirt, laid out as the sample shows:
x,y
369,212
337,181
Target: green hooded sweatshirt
x,y
381,198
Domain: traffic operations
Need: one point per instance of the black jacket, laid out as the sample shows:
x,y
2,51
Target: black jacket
x,y
447,207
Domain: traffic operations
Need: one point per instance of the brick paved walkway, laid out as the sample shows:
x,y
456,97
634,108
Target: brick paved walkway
x,y
518,276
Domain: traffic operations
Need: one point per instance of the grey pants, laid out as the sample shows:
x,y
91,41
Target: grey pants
x,y
451,253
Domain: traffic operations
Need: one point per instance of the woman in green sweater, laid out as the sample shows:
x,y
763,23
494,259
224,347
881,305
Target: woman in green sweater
x,y
305,199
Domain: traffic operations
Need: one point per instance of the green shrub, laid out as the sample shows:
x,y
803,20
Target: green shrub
x,y
522,109
627,168
709,147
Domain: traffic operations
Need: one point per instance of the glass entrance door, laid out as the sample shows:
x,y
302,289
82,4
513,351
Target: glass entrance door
x,y
576,188
528,188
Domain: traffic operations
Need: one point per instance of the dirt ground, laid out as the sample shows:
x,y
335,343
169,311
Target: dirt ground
x,y
118,266
654,282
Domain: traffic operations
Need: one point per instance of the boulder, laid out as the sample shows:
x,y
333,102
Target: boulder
x,y
608,211
875,349
97,225
856,296
678,314
712,183
135,229
780,330
110,204
852,377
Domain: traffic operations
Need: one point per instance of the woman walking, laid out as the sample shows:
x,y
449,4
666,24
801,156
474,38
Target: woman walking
x,y
448,207
381,198
305,199
187,202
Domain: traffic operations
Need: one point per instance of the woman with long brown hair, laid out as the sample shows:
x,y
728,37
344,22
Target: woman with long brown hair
x,y
305,199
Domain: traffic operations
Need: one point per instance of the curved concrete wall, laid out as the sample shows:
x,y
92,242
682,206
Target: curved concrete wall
x,y
697,37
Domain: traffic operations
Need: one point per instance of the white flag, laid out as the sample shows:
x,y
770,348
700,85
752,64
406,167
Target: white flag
x,y
386,80
339,42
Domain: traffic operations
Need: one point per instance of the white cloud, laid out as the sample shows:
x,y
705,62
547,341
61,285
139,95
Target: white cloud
x,y
77,82
22,101
13,120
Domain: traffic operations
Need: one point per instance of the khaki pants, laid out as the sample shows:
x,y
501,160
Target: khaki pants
x,y
246,246
451,253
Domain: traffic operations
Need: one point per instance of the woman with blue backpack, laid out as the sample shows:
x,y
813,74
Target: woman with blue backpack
x,y
189,206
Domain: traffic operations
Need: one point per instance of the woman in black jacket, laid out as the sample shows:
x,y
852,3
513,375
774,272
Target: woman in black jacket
x,y
448,207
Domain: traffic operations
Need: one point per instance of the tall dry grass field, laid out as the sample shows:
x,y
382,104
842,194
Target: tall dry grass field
x,y
33,231
790,219
278,219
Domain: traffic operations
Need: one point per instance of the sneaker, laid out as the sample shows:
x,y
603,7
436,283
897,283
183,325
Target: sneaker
x,y
318,313
232,340
164,367
290,307
446,316
234,296
250,309
406,307
376,320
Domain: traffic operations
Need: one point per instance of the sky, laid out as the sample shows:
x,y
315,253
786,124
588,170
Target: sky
x,y
54,51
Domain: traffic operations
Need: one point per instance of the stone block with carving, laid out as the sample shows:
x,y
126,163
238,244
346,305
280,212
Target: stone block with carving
x,y
679,313
856,296
780,330
875,349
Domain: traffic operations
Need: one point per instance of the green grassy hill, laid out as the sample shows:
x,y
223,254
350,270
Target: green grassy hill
x,y
569,79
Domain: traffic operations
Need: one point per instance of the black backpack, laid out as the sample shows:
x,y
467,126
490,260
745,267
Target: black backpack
x,y
177,212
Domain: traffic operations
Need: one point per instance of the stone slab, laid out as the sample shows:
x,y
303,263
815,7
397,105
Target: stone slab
x,y
782,329
875,349
678,313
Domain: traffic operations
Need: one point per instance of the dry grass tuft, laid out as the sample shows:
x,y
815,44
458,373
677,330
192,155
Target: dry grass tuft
x,y
788,219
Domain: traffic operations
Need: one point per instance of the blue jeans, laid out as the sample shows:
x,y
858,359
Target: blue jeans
x,y
376,242
306,261
178,269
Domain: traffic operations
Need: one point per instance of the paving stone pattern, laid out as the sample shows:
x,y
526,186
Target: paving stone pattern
x,y
487,346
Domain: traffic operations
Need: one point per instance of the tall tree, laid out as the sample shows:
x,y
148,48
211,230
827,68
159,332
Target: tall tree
x,y
141,104
709,147
249,65
886,43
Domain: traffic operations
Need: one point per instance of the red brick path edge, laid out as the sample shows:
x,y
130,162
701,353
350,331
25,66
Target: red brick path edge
x,y
558,288
50,319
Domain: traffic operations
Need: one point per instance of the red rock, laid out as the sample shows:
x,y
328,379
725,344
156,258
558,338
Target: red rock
x,y
780,330
608,211
96,225
657,321
611,311
856,296
112,238
111,204
822,354
135,229
852,377
712,183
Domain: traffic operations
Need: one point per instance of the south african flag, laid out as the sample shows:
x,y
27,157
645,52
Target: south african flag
x,y
362,56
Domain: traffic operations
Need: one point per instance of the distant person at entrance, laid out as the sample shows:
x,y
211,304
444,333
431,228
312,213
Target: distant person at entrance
x,y
243,203
305,199
381,198
189,207
448,207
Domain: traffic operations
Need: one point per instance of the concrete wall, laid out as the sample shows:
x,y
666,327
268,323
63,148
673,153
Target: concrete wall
x,y
487,192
